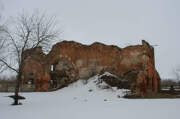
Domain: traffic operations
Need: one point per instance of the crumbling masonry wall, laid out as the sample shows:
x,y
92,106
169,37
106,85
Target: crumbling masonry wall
x,y
88,60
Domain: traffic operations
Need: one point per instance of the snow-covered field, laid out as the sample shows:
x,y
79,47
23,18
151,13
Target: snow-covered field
x,y
87,101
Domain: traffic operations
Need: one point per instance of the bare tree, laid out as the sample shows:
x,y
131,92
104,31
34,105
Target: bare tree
x,y
28,31
176,72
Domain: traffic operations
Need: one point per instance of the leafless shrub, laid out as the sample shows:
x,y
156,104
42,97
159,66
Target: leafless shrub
x,y
166,83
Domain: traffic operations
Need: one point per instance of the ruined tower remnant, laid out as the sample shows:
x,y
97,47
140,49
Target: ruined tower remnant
x,y
77,61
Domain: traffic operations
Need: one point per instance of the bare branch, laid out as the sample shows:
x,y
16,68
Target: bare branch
x,y
1,60
14,44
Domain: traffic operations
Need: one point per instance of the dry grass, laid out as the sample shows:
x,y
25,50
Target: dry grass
x,y
160,95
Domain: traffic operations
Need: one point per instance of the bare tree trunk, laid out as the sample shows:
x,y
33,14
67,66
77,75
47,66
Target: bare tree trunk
x,y
18,83
16,100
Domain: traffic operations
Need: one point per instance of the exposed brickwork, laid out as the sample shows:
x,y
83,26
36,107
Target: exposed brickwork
x,y
87,61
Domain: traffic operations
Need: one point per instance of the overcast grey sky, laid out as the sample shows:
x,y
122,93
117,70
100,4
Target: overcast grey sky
x,y
118,22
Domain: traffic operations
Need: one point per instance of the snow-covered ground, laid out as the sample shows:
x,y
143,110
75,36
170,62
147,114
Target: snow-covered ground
x,y
87,101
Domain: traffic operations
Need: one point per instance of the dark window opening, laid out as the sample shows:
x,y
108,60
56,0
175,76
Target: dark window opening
x,y
31,81
31,78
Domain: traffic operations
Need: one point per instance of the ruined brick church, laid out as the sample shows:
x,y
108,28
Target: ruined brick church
x,y
69,61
